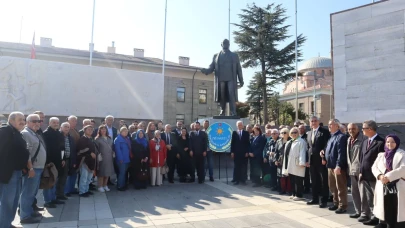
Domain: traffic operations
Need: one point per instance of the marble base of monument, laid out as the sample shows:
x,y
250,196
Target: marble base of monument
x,y
226,117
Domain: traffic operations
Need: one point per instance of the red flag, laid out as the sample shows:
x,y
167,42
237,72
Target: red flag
x,y
33,48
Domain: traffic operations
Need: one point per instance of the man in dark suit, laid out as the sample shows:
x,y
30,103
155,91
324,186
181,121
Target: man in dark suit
x,y
198,150
369,152
173,155
317,140
307,179
179,125
240,145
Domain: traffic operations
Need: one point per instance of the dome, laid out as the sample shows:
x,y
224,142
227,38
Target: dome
x,y
315,63
308,73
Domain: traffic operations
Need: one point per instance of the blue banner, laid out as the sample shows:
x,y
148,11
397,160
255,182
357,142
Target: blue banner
x,y
219,137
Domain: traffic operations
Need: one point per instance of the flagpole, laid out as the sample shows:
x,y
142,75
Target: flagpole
x,y
229,21
21,24
296,63
92,31
164,43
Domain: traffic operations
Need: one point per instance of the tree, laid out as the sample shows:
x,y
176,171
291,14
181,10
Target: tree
x,y
242,109
283,112
259,36
255,97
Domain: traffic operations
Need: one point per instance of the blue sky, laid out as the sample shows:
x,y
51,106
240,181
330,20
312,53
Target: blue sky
x,y
195,28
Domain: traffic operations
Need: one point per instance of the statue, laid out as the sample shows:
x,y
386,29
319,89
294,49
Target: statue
x,y
228,71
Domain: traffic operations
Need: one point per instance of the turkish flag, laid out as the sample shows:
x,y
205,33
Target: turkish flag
x,y
33,47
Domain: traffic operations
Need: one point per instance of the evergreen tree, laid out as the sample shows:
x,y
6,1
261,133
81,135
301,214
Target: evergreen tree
x,y
259,36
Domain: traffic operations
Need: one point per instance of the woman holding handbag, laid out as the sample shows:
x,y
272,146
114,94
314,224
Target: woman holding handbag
x,y
140,161
104,158
158,155
389,195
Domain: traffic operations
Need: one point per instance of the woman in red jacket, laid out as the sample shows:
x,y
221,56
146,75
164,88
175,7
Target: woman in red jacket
x,y
158,155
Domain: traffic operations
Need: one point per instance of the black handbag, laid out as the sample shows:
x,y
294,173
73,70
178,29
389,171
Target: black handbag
x,y
143,174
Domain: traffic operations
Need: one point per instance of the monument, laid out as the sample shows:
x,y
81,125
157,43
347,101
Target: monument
x,y
227,72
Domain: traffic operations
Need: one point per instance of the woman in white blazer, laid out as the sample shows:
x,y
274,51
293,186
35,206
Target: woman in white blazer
x,y
389,195
294,163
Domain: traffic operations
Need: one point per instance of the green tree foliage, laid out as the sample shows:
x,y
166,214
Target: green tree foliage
x,y
259,36
242,109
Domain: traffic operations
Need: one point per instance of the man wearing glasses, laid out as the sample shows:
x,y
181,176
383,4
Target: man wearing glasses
x,y
30,184
369,152
317,140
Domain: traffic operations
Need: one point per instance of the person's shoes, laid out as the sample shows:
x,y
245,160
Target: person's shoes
x,y
90,193
110,183
68,195
106,189
83,195
298,199
371,222
323,205
233,181
312,202
236,183
200,181
243,183
29,220
101,189
191,181
62,198
355,215
283,193
333,208
273,189
381,226
36,208
171,181
36,214
57,202
363,219
121,189
212,179
340,211
292,197
256,185
49,205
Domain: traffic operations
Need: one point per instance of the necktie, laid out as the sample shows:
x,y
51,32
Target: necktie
x,y
240,134
197,132
168,137
313,136
369,143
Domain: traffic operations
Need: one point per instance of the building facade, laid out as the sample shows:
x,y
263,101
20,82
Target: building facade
x,y
315,84
188,94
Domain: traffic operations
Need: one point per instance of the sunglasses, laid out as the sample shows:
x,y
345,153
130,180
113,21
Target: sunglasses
x,y
36,121
283,133
294,132
365,128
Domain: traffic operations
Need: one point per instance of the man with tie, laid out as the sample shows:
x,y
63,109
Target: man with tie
x,y
317,140
198,150
373,145
240,144
173,155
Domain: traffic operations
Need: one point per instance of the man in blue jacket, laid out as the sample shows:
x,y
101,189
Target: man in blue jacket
x,y
336,163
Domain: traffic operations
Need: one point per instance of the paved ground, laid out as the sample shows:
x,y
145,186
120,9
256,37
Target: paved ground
x,y
213,204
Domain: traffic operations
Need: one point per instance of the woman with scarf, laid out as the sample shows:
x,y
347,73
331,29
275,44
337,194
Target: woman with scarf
x,y
122,146
389,195
284,184
158,155
140,161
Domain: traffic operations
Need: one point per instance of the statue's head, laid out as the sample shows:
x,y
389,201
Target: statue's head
x,y
225,44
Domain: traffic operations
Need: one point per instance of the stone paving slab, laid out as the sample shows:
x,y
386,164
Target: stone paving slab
x,y
213,204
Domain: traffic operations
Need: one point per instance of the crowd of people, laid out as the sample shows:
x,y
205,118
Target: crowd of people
x,y
290,160
327,162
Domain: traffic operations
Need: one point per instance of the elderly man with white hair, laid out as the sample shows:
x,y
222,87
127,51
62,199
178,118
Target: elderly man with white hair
x,y
30,185
14,157
55,147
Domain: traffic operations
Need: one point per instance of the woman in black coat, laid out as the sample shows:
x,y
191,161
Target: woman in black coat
x,y
185,161
140,160
257,145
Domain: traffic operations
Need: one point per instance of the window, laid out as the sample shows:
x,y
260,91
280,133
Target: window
x,y
312,107
180,117
203,96
181,94
301,106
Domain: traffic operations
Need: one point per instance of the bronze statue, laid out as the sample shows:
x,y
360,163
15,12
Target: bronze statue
x,y
228,71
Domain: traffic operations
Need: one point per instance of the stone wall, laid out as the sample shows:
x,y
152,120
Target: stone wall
x,y
369,62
